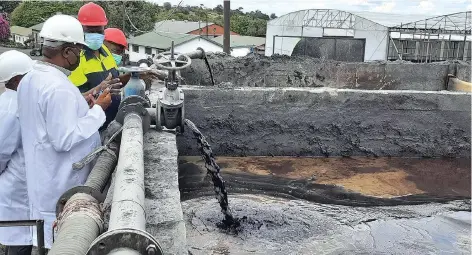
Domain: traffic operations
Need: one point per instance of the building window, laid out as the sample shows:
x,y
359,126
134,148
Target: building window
x,y
135,48
148,50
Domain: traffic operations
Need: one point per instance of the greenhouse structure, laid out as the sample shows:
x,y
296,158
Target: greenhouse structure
x,y
367,36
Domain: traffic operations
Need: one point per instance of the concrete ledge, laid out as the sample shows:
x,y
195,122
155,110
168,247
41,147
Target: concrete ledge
x,y
329,122
282,71
164,217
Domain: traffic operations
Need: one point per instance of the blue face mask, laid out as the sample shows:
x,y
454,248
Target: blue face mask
x,y
117,58
94,40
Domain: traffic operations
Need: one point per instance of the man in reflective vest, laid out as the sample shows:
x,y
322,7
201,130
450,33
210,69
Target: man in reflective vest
x,y
97,64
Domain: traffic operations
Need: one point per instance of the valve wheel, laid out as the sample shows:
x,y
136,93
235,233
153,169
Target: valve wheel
x,y
168,61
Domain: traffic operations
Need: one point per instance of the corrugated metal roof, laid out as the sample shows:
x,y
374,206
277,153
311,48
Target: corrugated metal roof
x,y
241,41
17,30
163,40
37,27
179,26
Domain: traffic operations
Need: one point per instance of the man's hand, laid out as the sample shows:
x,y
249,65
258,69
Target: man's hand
x,y
149,75
90,100
114,85
104,100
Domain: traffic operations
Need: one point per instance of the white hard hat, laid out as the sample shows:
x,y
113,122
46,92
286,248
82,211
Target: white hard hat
x,y
63,28
13,63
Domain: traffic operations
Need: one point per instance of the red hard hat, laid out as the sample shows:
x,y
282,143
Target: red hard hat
x,y
117,36
92,15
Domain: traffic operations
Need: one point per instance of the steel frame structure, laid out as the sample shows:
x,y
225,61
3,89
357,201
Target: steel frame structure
x,y
324,18
437,38
440,38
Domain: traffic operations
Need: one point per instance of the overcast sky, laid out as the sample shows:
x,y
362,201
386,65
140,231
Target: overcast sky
x,y
281,7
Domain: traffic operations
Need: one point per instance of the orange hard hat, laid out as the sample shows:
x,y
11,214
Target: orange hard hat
x,y
92,15
117,36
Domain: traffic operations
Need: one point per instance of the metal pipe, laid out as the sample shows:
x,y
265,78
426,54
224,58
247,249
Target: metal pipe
x,y
127,209
226,34
81,226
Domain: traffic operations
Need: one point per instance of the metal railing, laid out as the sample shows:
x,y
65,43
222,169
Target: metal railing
x,y
27,223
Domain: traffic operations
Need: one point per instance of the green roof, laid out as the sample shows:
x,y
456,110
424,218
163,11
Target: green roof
x,y
162,40
20,30
37,27
241,41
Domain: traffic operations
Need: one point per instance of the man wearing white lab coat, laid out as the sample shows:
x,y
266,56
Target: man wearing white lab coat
x,y
13,192
58,126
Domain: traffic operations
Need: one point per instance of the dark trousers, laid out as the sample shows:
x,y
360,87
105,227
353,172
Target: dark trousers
x,y
18,250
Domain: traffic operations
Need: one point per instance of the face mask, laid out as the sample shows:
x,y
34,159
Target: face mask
x,y
74,66
94,40
117,58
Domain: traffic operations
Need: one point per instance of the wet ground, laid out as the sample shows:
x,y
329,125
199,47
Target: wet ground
x,y
330,206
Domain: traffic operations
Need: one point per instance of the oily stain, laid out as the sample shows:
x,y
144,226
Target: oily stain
x,y
377,177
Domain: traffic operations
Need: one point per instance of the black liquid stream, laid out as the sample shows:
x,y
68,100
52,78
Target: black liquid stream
x,y
214,171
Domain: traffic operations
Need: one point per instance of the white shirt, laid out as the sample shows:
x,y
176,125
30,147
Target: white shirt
x,y
13,193
59,129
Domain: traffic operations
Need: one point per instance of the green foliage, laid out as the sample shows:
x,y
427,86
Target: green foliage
x,y
252,23
142,14
167,6
8,6
30,13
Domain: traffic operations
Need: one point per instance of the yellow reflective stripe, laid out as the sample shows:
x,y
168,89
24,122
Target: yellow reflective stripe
x,y
78,76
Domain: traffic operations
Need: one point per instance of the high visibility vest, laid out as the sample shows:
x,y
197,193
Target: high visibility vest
x,y
92,71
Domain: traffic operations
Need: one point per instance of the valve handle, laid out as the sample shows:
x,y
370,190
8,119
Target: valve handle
x,y
168,61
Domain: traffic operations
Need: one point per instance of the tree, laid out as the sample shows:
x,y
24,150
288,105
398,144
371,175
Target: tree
x,y
273,16
167,6
8,6
218,9
4,28
30,13
141,14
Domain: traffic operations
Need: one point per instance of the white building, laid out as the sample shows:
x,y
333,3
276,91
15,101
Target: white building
x,y
19,34
242,45
365,36
153,43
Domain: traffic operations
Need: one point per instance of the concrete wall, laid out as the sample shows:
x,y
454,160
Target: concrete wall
x,y
328,122
310,72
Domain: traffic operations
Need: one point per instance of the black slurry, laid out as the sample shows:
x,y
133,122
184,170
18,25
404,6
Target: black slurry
x,y
229,222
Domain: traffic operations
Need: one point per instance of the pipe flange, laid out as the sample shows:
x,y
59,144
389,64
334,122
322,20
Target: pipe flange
x,y
133,100
137,240
79,189
136,108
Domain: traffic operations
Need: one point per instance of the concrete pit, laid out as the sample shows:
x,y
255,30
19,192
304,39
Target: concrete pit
x,y
319,157
317,170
